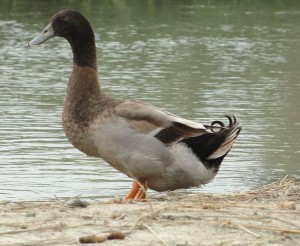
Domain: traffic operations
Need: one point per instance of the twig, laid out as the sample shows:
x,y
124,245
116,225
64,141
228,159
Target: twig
x,y
57,198
294,231
141,217
146,194
68,199
248,231
281,181
47,227
155,234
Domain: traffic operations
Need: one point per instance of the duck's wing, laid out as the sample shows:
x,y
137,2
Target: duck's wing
x,y
165,126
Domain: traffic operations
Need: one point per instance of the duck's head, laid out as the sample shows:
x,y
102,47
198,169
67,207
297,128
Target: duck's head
x,y
69,24
73,26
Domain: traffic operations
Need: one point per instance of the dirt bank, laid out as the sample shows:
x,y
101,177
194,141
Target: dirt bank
x,y
266,216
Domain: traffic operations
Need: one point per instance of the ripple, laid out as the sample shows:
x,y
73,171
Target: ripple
x,y
201,67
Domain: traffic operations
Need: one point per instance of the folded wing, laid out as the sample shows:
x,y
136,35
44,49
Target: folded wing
x,y
166,127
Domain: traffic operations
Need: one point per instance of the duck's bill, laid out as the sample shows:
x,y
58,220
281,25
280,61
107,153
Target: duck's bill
x,y
46,34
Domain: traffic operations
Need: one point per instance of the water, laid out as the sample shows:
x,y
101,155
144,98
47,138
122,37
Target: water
x,y
194,59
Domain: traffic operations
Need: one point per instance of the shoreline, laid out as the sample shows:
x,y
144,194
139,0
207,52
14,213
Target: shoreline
x,y
269,215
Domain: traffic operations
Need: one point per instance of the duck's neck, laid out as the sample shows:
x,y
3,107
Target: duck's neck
x,y
84,49
83,86
84,78
83,93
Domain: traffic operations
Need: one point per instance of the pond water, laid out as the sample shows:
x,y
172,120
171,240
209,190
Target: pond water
x,y
197,59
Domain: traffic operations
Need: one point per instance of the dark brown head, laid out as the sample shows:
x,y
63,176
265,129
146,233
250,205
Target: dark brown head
x,y
73,26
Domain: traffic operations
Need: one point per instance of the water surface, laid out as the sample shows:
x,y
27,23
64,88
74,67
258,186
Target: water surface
x,y
196,59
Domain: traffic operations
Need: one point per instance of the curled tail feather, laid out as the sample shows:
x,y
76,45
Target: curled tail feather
x,y
211,148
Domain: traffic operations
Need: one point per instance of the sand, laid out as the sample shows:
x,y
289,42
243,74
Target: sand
x,y
269,215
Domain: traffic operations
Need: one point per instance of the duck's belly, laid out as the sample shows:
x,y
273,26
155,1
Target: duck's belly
x,y
137,155
185,171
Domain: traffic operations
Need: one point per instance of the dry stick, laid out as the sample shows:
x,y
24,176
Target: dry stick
x,y
141,217
45,228
53,241
280,182
248,231
294,231
68,199
137,221
155,234
29,230
57,198
144,190
284,221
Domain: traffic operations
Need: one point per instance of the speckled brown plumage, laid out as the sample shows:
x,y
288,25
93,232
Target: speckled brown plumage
x,y
84,103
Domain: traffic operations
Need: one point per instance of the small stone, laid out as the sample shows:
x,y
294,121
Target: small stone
x,y
116,235
30,214
23,226
92,239
76,202
117,215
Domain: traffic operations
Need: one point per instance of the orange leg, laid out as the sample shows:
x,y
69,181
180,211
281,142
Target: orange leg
x,y
137,192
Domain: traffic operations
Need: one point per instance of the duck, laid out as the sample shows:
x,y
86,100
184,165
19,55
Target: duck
x,y
157,149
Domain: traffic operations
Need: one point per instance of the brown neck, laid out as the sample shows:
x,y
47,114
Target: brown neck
x,y
83,81
84,99
83,89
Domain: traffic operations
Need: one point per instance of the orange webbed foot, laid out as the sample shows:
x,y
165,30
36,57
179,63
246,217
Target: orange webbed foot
x,y
138,191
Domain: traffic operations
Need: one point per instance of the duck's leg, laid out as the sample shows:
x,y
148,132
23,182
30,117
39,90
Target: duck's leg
x,y
138,191
142,194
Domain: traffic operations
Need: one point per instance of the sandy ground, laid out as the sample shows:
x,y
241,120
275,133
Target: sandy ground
x,y
266,216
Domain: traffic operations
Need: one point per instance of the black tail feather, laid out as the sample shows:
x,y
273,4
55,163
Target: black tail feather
x,y
211,148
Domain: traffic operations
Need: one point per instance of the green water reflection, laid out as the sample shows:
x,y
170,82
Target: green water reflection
x,y
198,59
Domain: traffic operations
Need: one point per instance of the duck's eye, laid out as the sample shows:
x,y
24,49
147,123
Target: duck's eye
x,y
64,18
